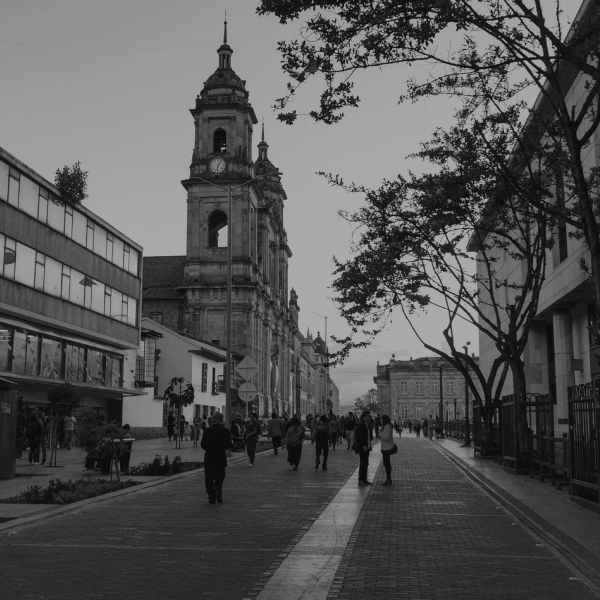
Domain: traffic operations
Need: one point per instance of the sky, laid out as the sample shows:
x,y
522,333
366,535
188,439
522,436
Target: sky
x,y
110,83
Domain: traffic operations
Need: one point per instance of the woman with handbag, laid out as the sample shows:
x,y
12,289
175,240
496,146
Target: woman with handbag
x,y
387,447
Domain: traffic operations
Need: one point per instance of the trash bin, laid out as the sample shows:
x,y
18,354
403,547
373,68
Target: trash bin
x,y
8,433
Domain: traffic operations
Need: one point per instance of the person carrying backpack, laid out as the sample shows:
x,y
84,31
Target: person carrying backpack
x,y
321,438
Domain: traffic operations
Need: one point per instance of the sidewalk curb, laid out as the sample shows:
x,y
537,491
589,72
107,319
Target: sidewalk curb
x,y
567,550
142,486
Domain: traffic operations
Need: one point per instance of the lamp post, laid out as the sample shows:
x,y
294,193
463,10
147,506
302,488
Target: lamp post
x,y
229,189
441,411
467,428
326,361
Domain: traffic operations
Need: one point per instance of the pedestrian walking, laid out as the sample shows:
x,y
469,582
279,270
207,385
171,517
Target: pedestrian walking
x,y
187,432
410,426
430,426
438,427
34,431
417,426
44,444
377,425
275,431
251,435
321,438
171,425
425,427
362,441
125,450
196,431
350,429
69,429
216,440
387,448
293,441
334,430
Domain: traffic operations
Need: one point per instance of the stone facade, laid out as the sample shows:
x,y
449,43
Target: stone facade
x,y
409,389
189,293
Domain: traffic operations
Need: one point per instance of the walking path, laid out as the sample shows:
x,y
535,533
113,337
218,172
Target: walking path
x,y
310,534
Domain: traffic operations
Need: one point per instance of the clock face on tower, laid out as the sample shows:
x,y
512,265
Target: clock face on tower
x,y
217,164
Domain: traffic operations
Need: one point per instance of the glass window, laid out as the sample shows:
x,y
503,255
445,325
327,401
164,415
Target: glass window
x,y
450,387
88,286
95,367
52,277
100,241
132,311
113,370
435,387
25,266
13,188
77,289
4,170
134,261
19,351
2,242
5,346
109,246
98,297
126,257
40,266
43,205
66,282
28,196
52,359
419,387
124,309
79,227
56,216
118,252
89,239
68,221
75,363
107,301
10,258
145,360
157,316
116,305
32,355
403,387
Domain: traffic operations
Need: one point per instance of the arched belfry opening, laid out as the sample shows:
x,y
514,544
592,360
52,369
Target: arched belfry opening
x,y
220,141
217,230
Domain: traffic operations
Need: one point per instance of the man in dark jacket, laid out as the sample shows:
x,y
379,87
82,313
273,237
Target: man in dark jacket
x,y
215,443
363,440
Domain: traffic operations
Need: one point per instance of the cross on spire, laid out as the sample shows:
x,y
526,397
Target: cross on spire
x,y
225,29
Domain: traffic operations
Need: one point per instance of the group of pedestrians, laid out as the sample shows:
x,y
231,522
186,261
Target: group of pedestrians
x,y
430,427
322,430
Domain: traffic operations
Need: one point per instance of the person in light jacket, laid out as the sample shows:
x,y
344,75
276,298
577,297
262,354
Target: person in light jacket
x,y
386,436
275,431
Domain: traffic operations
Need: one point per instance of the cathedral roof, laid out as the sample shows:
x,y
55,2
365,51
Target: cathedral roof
x,y
161,275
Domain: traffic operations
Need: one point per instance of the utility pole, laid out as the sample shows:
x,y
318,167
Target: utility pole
x,y
467,427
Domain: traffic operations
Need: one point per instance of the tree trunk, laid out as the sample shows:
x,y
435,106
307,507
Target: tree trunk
x,y
522,439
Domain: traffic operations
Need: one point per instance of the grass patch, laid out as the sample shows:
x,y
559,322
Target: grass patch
x,y
67,492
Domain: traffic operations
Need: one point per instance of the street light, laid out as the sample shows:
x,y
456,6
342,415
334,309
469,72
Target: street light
x,y
326,360
467,428
229,189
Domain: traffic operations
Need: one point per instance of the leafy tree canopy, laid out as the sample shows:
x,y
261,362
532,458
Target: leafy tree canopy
x,y
367,401
72,184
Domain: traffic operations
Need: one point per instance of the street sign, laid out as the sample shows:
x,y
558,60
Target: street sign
x,y
247,391
247,369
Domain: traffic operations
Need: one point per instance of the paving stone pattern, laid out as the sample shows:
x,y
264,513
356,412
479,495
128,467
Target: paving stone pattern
x,y
168,542
436,535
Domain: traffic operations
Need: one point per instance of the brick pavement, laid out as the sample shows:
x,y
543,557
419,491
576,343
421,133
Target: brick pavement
x,y
437,535
168,542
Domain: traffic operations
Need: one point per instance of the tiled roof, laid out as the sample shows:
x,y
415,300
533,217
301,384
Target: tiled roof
x,y
161,275
162,271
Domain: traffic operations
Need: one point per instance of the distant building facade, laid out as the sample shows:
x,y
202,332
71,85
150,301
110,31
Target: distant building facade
x,y
70,291
410,389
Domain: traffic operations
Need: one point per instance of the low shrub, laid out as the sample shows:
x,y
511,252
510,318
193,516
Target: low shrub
x,y
66,492
160,466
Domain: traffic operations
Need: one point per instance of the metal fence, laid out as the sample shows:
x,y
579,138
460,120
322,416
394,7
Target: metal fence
x,y
487,429
584,417
454,429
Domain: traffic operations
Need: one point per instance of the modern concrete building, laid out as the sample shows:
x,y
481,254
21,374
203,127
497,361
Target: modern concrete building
x,y
413,389
70,291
